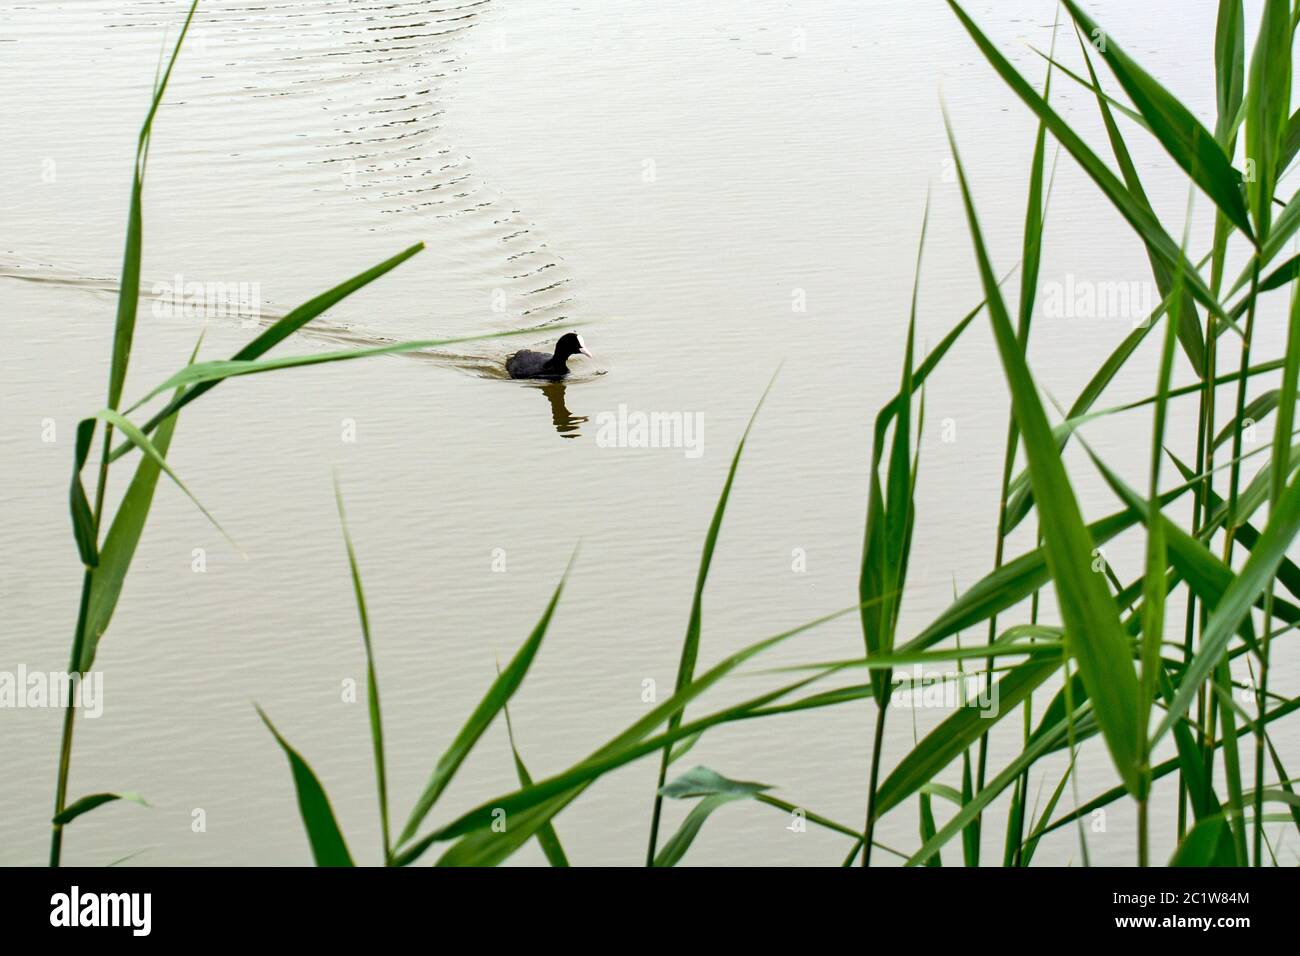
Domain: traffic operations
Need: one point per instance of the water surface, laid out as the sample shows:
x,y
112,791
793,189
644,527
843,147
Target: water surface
x,y
711,191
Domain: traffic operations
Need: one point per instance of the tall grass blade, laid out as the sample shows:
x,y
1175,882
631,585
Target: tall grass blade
x,y
83,519
1093,631
716,791
138,438
1229,65
962,818
928,829
1154,580
497,696
1030,846
1192,765
1016,580
887,541
1241,594
964,728
129,295
1268,102
123,538
1221,687
691,642
279,331
327,844
548,797
90,802
1031,255
1164,768
1139,217
1206,844
1281,456
547,838
209,372
372,682
1188,325
1190,144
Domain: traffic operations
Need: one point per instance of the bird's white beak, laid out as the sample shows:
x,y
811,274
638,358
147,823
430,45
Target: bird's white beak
x,y
582,350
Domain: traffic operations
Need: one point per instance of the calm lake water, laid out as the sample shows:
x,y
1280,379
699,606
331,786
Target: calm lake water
x,y
711,191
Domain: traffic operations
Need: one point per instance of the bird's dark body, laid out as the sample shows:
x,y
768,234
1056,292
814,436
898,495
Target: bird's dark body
x,y
529,364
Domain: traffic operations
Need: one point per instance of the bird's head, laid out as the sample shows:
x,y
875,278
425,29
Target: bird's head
x,y
571,343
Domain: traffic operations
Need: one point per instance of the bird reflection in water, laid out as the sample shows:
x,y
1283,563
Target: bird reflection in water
x,y
566,423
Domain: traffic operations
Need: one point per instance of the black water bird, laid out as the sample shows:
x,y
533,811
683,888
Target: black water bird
x,y
530,364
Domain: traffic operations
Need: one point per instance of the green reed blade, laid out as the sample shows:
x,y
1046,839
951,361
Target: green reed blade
x,y
1229,65
1092,86
1091,621
677,845
138,438
887,541
1255,412
1220,682
1189,143
279,331
128,298
928,829
1145,224
1260,567
90,802
1160,770
124,537
83,519
547,838
497,696
209,372
1191,761
716,791
1188,324
984,797
1030,846
327,844
961,730
1152,619
1209,843
372,682
1268,100
691,641
548,797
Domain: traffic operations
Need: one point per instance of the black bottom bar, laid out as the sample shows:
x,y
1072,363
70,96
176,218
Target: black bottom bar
x,y
309,905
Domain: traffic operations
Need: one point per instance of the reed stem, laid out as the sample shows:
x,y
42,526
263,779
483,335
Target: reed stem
x,y
869,830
